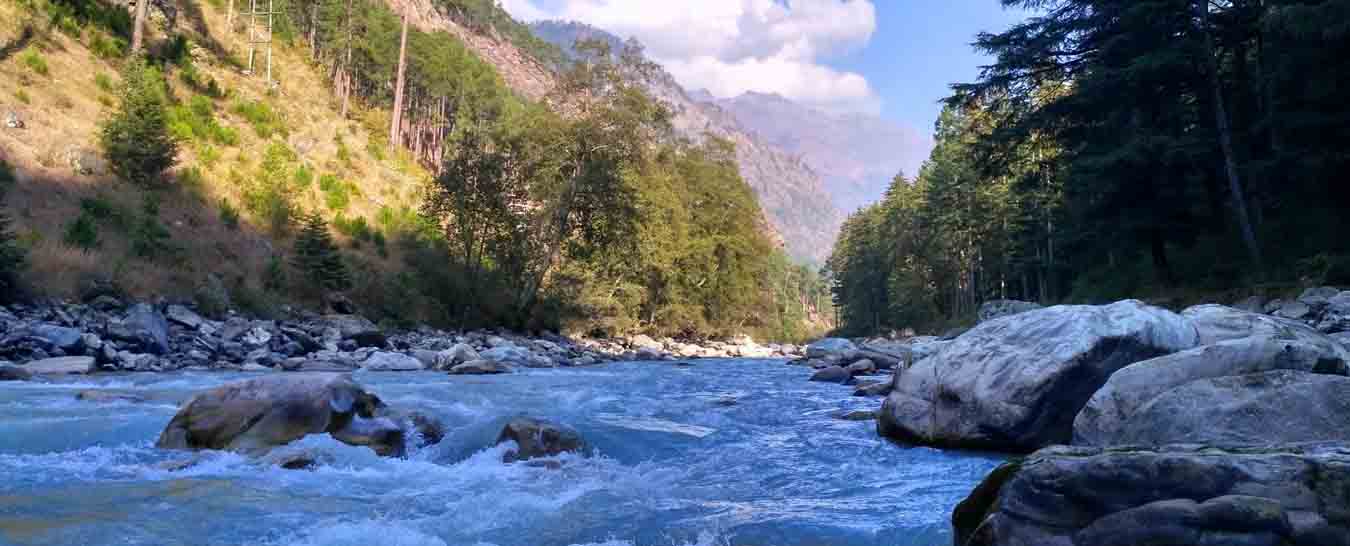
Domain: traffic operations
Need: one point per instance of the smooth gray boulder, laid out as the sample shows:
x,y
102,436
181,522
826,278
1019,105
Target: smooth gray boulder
x,y
480,367
59,337
995,309
538,438
391,362
1016,383
1177,496
1267,408
144,329
833,374
255,415
1336,318
357,329
183,316
515,356
66,365
1115,407
830,346
1217,323
454,356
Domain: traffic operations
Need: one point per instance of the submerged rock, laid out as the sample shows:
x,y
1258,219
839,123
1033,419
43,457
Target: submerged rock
x,y
108,397
833,374
1178,496
857,415
268,411
1016,384
538,438
480,367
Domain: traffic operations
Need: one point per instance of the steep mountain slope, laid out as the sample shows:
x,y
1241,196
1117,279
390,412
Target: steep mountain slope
x,y
858,155
790,192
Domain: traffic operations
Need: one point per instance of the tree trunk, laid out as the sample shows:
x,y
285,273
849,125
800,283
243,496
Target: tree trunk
x,y
138,30
1226,137
397,123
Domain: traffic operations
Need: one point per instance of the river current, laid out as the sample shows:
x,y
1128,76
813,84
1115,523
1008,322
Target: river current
x,y
717,452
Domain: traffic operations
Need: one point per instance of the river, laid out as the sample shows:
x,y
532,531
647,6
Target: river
x,y
725,452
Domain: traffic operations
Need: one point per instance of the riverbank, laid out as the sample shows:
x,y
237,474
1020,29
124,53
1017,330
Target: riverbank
x,y
109,335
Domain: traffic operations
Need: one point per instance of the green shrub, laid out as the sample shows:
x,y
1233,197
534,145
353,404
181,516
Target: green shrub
x,y
135,137
103,82
192,180
35,62
196,121
356,229
108,47
266,122
318,258
274,275
103,211
303,177
270,195
229,215
82,233
22,96
336,192
208,156
150,239
7,176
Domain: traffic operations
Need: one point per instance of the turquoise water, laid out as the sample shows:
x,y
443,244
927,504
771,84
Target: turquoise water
x,y
674,463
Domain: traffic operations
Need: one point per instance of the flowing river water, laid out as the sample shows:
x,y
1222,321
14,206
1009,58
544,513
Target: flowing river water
x,y
725,452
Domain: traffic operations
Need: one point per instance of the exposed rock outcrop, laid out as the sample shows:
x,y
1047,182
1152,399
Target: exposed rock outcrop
x,y
538,438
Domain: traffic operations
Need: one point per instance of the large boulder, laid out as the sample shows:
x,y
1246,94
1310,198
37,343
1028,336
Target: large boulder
x,y
1015,384
391,362
1217,323
833,374
1276,407
516,356
480,367
830,346
538,438
255,415
69,340
357,329
1176,496
991,310
456,355
66,365
143,329
1116,406
1336,317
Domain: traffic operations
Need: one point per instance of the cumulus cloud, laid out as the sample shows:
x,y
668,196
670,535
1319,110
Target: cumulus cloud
x,y
731,47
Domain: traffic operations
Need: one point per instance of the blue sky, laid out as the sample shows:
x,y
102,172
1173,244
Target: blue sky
x,y
893,58
919,48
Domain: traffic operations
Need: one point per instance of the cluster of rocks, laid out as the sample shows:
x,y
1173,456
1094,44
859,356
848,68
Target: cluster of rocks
x,y
105,335
1187,428
256,416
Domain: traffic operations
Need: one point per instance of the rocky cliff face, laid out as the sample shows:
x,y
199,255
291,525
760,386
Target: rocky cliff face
x,y
857,155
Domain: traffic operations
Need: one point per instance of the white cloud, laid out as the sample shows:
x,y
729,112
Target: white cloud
x,y
730,47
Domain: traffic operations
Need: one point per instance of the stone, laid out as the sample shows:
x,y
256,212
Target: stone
x,y
183,316
69,340
357,329
996,309
391,362
1015,384
538,438
641,341
109,397
1115,407
425,429
65,365
857,415
480,367
515,356
255,337
144,328
255,415
874,389
13,121
1318,297
1336,317
10,372
830,346
1294,310
833,374
1274,407
1176,495
862,367
1216,323
455,356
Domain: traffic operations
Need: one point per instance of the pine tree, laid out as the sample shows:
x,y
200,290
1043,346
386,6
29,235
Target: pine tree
x,y
135,137
12,257
318,258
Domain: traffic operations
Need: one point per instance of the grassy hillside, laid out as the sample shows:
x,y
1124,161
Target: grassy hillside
x,y
248,151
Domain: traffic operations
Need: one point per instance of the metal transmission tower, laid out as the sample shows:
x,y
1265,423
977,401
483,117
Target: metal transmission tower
x,y
260,32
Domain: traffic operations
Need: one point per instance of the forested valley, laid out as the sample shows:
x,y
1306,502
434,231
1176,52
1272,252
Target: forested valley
x,y
1169,150
578,211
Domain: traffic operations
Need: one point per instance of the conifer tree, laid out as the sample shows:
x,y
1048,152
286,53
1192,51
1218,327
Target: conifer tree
x,y
318,258
135,137
12,256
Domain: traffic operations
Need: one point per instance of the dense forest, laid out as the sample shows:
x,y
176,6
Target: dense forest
x,y
583,212
1162,149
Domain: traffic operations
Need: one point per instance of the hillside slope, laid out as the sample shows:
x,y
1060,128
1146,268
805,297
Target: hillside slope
x,y
790,192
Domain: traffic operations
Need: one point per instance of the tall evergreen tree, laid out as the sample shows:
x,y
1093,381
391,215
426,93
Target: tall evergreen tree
x,y
318,257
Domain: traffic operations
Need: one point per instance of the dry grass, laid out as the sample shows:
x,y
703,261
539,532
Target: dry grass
x,y
63,113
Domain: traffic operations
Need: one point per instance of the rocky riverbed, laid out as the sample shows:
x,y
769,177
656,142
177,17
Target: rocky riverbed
x,y
112,336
